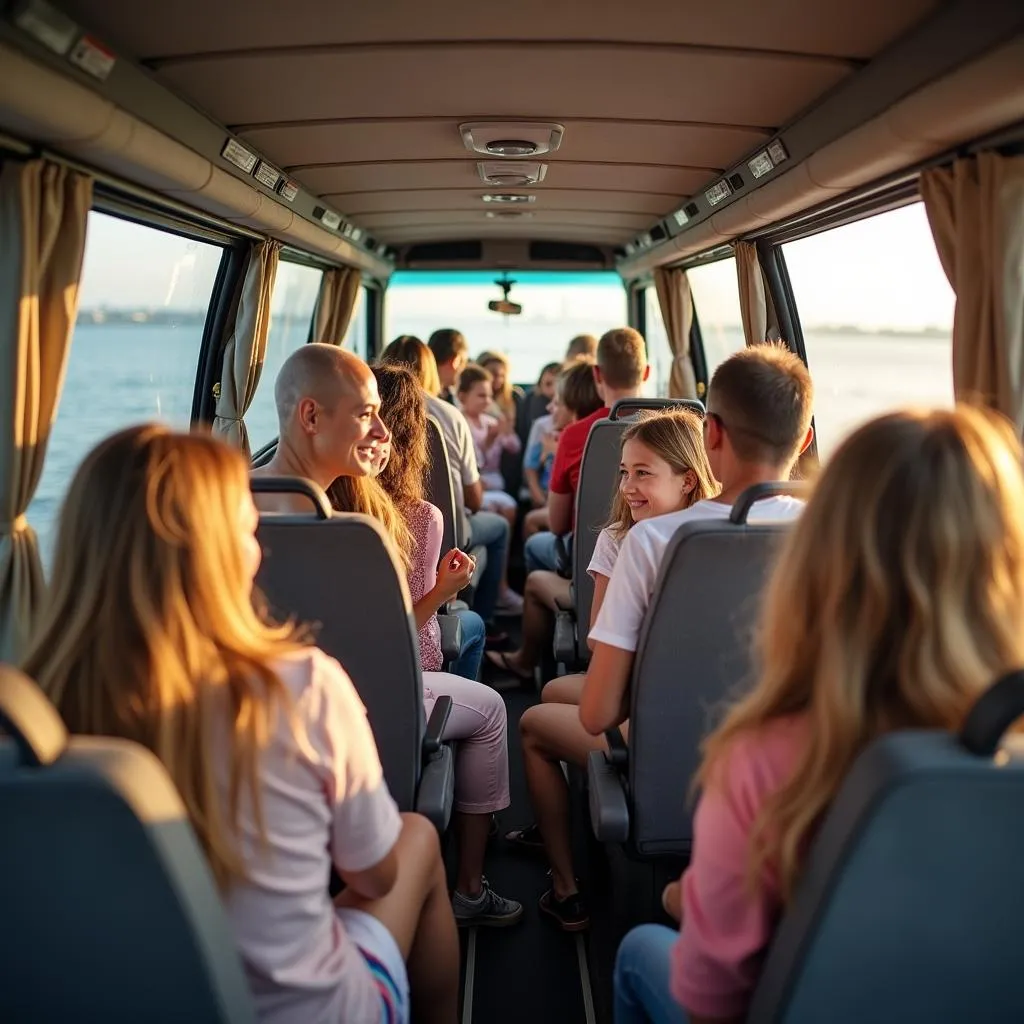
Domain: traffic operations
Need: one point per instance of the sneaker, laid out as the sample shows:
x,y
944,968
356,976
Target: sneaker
x,y
509,604
488,910
570,914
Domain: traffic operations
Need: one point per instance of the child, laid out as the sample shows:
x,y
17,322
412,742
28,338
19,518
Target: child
x,y
896,601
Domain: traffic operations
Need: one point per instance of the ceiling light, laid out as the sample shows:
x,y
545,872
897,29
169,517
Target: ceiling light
x,y
509,180
511,173
508,214
507,197
511,147
511,139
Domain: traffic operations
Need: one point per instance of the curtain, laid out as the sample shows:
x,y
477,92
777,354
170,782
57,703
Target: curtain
x,y
44,209
247,346
676,302
339,290
976,211
756,307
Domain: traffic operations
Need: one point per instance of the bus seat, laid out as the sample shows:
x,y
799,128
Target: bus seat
x,y
909,905
110,910
598,474
437,485
308,562
694,649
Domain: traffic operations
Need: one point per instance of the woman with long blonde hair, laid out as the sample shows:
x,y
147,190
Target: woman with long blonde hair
x,y
896,601
149,633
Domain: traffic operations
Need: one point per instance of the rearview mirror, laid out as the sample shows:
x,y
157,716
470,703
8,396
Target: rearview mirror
x,y
504,306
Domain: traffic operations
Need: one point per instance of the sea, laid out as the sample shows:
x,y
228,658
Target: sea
x,y
125,373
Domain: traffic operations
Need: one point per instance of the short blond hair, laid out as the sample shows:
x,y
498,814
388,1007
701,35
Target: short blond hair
x,y
622,358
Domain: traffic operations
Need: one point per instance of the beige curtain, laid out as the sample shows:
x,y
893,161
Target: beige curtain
x,y
756,307
976,211
676,302
44,209
339,291
247,346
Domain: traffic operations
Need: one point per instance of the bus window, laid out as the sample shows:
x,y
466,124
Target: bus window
x,y
716,304
355,337
556,307
291,313
877,318
659,354
135,349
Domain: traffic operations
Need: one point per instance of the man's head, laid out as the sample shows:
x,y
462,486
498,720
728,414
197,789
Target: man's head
x,y
582,345
621,363
328,409
759,412
576,395
451,354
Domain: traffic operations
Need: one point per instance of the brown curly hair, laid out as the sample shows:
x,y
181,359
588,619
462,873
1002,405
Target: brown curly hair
x,y
404,413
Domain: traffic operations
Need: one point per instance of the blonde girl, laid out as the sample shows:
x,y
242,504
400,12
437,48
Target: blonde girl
x,y
896,601
149,633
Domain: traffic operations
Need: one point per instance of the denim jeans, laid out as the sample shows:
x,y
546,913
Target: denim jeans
x,y
474,633
491,531
540,552
642,994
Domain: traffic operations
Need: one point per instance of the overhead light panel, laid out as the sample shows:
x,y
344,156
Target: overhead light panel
x,y
508,214
511,148
777,151
719,191
508,198
511,174
511,139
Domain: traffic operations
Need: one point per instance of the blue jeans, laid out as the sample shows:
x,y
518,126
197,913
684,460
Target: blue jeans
x,y
642,994
490,531
540,552
474,633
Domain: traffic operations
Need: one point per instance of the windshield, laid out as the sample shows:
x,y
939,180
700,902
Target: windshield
x,y
556,307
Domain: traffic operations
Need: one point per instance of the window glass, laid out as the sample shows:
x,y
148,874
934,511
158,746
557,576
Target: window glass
x,y
716,301
556,307
355,337
291,312
135,349
659,353
877,318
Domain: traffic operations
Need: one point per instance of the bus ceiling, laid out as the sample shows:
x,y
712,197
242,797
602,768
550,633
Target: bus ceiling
x,y
575,136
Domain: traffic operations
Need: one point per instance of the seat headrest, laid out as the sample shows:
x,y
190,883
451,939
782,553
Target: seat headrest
x,y
30,719
294,485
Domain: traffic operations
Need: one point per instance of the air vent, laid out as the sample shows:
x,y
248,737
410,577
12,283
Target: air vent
x,y
736,180
444,251
691,209
510,173
566,252
658,233
511,138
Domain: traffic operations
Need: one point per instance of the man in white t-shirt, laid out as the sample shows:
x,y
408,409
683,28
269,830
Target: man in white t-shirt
x,y
757,425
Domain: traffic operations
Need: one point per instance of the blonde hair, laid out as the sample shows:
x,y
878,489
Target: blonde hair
x,y
503,399
148,630
622,358
897,599
675,435
363,494
410,351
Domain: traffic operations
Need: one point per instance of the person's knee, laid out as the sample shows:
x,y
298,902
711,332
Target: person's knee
x,y
495,716
420,839
528,722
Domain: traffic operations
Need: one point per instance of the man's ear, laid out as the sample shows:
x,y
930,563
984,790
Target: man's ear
x,y
807,440
713,433
597,375
647,372
308,413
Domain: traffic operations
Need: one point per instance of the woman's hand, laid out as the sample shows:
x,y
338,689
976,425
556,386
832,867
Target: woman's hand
x,y
454,573
671,902
493,433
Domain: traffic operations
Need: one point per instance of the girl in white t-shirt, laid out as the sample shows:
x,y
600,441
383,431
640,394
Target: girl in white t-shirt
x,y
664,468
150,634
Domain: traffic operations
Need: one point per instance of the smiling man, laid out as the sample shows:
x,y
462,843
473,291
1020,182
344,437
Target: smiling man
x,y
328,413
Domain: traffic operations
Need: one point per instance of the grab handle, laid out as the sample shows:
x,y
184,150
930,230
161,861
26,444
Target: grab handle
x,y
294,485
637,404
746,501
993,713
30,719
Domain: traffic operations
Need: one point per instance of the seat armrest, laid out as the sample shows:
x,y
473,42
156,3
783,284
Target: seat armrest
x,y
565,637
436,725
609,809
451,637
618,752
436,794
563,557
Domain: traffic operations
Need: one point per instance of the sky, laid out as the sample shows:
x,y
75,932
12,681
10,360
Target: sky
x,y
877,273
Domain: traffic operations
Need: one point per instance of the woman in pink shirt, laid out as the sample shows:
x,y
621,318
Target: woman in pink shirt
x,y
149,633
895,603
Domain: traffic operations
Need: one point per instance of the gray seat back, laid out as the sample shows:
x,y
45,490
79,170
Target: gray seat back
x,y
599,472
339,574
109,909
694,651
909,906
437,486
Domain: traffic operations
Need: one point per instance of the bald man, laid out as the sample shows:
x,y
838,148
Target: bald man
x,y
328,411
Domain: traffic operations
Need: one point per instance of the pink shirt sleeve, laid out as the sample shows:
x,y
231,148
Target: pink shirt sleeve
x,y
432,544
726,926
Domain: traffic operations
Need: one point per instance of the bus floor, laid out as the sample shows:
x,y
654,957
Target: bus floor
x,y
531,971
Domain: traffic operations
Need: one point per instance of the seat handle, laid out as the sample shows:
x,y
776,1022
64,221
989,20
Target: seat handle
x,y
294,485
618,752
436,724
636,404
746,501
993,713
30,719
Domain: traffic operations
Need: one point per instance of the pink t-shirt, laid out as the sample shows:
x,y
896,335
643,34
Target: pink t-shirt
x,y
726,929
426,525
489,456
324,801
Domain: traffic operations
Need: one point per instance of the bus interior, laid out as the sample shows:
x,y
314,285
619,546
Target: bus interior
x,y
713,175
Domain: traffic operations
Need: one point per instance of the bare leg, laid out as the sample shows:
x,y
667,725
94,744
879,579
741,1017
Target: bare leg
x,y
472,830
564,690
418,914
536,521
543,592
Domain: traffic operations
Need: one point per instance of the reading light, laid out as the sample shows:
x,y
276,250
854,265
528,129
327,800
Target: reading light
x,y
511,147
507,197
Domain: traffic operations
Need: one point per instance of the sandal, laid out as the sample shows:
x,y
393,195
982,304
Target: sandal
x,y
527,838
499,660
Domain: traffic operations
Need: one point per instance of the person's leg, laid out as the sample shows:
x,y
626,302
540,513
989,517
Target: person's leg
x,y
642,966
474,633
564,690
491,531
504,505
419,916
536,521
543,593
539,552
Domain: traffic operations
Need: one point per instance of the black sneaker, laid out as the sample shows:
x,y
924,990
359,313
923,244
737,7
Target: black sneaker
x,y
488,910
570,914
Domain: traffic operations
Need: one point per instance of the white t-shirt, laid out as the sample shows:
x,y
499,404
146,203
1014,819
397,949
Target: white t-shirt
x,y
462,464
636,569
606,552
323,803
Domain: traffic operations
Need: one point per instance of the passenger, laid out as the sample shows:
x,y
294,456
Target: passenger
x,y
451,354
312,381
757,424
620,373
664,469
491,437
400,472
582,345
895,603
149,634
507,397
